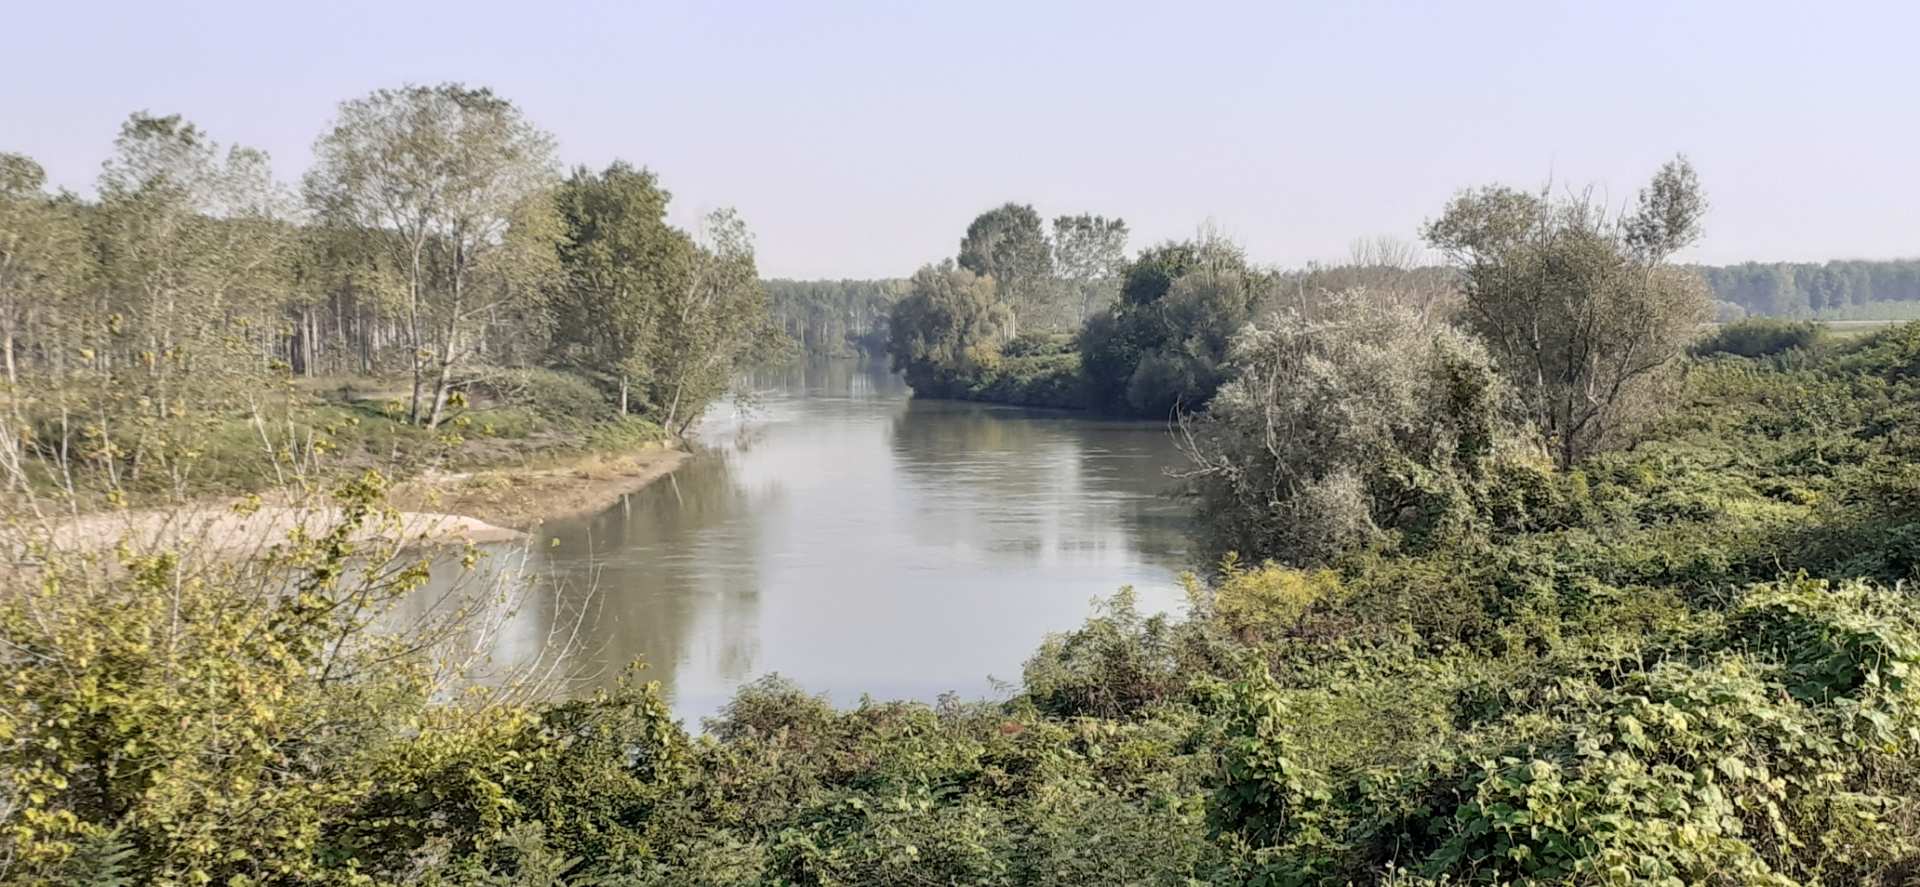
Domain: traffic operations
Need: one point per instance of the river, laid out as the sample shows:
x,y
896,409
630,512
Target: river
x,y
858,541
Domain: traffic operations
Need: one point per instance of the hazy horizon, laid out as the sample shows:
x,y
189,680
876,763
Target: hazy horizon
x,y
858,141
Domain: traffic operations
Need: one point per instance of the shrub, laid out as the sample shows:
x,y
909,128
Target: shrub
x,y
1758,337
1049,380
215,715
1343,428
554,394
1032,344
1831,639
1270,601
1116,665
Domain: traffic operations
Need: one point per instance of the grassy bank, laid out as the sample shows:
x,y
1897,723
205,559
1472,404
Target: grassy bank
x,y
518,447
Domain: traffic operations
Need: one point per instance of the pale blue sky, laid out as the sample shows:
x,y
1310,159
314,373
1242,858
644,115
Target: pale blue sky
x,y
859,138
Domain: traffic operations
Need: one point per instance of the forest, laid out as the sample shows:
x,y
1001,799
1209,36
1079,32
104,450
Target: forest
x,y
434,279
1839,290
1512,570
834,318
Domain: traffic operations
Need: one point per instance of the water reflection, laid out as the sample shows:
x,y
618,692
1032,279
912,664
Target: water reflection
x,y
860,542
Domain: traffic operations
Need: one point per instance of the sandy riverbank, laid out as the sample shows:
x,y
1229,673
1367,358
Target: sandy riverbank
x,y
219,527
495,505
523,497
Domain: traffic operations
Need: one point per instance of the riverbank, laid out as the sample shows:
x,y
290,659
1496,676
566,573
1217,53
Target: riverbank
x,y
495,505
225,528
521,497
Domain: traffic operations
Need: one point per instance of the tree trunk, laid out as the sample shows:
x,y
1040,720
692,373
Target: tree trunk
x,y
414,340
444,383
311,341
13,377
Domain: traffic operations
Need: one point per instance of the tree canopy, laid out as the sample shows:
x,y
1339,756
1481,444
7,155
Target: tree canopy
x,y
1580,309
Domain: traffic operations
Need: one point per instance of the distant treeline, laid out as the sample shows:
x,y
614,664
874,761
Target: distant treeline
x,y
1834,290
848,318
835,318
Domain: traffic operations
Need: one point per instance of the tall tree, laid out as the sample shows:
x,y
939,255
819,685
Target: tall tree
x,y
714,325
40,257
1089,253
193,244
453,181
1009,244
1582,310
622,260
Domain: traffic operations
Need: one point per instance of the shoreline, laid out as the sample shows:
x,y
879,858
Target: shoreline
x,y
486,506
518,499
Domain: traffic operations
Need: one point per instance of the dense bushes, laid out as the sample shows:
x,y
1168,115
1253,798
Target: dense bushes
x,y
1758,337
1035,380
1162,348
1354,423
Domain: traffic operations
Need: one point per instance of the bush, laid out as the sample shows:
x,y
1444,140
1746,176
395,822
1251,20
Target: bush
x,y
1343,429
1032,344
219,717
1116,665
1049,380
554,394
1758,337
1271,601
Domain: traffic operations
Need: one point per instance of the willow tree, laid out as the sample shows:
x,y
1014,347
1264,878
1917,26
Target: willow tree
x,y
1582,309
452,181
950,322
1162,347
1343,424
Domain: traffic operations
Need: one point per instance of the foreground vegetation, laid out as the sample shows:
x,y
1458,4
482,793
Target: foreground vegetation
x,y
1687,662
1465,627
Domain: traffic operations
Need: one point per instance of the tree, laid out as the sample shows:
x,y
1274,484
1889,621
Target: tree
x,y
193,249
1342,426
1582,310
452,180
622,260
1009,244
950,322
40,257
1382,269
713,326
1163,345
1089,254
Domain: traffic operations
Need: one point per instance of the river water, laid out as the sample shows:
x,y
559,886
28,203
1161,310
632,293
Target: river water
x,y
857,541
